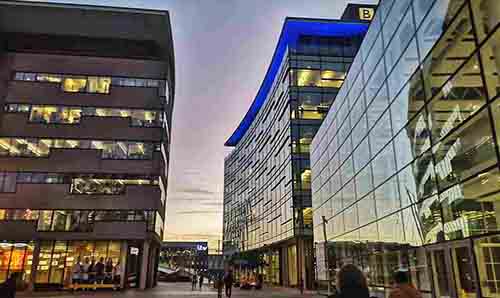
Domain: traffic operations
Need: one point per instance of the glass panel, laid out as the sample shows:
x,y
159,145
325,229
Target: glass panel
x,y
466,151
487,251
460,98
57,263
42,274
490,55
449,54
51,78
441,273
98,84
463,265
486,16
472,207
74,84
5,253
436,22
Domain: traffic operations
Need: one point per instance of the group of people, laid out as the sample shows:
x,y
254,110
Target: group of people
x,y
195,279
91,272
351,282
227,281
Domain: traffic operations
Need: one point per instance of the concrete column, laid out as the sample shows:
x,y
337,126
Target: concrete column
x,y
34,266
284,266
123,264
144,265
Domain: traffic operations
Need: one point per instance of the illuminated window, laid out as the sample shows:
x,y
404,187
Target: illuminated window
x,y
98,85
44,77
74,84
311,114
317,78
41,147
305,178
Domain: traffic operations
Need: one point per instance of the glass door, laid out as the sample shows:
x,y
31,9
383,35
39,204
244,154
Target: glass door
x,y
464,272
453,270
442,277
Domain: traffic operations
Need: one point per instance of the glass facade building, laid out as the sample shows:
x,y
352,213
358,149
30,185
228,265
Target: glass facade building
x,y
85,112
405,167
267,194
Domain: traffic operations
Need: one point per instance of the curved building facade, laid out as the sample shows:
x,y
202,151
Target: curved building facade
x,y
405,167
85,114
267,194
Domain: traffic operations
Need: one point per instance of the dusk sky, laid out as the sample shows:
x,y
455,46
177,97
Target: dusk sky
x,y
222,51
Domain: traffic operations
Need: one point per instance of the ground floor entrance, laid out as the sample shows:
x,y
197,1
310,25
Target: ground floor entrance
x,y
287,264
49,264
468,268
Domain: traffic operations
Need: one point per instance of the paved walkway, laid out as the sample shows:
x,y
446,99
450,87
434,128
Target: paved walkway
x,y
174,290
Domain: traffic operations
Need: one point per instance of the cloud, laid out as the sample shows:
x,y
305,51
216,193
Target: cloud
x,y
195,191
192,236
217,203
194,212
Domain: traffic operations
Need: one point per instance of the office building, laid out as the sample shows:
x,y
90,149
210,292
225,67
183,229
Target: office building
x,y
405,166
86,97
267,177
189,256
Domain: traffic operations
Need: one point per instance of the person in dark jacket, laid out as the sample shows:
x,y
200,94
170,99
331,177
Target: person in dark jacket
x,y
351,283
8,289
228,282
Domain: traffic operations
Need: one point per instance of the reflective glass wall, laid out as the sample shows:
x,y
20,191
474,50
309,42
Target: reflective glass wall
x,y
405,166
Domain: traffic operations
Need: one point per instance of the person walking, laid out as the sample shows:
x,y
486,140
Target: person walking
x,y
219,284
201,281
8,289
351,283
228,282
402,286
193,282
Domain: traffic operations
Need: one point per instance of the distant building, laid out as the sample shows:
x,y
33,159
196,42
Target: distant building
x,y
86,97
267,177
191,256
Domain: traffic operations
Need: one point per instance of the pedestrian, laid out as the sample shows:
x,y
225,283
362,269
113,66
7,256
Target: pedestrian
x,y
402,286
77,272
193,282
91,271
99,271
8,289
201,281
228,282
85,270
351,283
219,283
108,271
117,271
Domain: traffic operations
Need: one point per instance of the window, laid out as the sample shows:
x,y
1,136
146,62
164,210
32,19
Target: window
x,y
99,85
74,84
7,182
317,78
92,84
41,147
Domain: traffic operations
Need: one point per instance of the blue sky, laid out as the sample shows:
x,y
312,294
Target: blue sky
x,y
222,51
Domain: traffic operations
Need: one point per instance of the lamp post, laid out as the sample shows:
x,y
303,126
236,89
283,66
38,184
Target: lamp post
x,y
323,218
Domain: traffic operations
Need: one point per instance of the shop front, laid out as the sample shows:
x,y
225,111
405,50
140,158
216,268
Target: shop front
x,y
57,258
16,257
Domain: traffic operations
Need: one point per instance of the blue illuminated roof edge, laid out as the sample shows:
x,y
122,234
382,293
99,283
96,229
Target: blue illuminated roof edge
x,y
292,29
